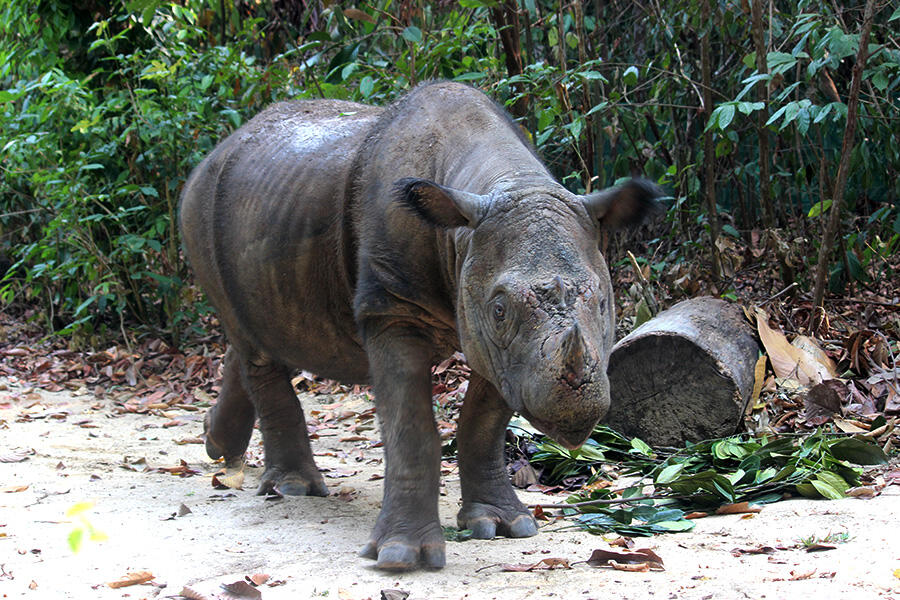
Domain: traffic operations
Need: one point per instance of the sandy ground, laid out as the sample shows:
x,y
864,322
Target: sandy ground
x,y
84,451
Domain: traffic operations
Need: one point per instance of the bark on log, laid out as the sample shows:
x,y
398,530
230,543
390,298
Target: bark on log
x,y
685,375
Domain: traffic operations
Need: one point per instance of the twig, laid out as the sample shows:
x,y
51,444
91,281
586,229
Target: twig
x,y
793,285
606,502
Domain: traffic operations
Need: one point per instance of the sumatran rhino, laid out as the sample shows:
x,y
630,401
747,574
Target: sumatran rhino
x,y
364,244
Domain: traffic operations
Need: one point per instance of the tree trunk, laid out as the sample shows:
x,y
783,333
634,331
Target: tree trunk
x,y
762,95
506,19
685,375
840,184
709,155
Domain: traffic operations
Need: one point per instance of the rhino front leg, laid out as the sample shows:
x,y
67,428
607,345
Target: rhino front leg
x,y
229,424
490,505
290,468
407,532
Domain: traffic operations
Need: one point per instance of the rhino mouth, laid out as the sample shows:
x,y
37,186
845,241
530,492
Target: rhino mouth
x,y
568,438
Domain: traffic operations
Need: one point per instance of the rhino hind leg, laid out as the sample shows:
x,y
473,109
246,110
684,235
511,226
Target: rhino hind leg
x,y
490,505
229,424
289,465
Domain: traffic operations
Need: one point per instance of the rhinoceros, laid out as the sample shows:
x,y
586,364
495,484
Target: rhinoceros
x,y
364,244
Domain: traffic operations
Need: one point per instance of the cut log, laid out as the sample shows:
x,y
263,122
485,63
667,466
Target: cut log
x,y
685,375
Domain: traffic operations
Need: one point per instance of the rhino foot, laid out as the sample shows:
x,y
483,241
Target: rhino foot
x,y
487,521
279,483
407,552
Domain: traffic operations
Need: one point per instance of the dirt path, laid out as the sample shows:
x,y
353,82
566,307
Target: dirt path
x,y
83,451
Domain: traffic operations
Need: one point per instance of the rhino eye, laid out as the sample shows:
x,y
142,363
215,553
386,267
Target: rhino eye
x,y
499,310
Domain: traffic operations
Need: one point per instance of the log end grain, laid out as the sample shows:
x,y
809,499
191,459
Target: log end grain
x,y
685,375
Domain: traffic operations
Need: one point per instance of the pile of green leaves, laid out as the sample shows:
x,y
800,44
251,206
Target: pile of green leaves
x,y
702,476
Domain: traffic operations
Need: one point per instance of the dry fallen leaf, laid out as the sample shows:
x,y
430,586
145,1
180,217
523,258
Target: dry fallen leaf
x,y
546,564
634,568
259,578
602,558
230,478
394,595
241,590
804,360
819,547
738,508
13,489
133,578
192,594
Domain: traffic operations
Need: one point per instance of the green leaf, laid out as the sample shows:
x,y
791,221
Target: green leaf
x,y
641,447
726,116
826,489
730,230
630,76
478,3
643,313
818,208
366,86
895,16
749,107
597,107
670,473
675,526
858,451
591,75
412,34
470,76
76,537
779,62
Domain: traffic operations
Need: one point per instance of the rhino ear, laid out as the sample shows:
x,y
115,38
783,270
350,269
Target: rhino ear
x,y
624,205
441,206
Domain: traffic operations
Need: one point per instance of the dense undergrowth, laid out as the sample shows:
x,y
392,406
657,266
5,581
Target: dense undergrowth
x,y
105,108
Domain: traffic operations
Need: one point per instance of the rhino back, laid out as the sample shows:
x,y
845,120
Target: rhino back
x,y
268,232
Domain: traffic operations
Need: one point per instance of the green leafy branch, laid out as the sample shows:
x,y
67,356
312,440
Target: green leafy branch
x,y
702,476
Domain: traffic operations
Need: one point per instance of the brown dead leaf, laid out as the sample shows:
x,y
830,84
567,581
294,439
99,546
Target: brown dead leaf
x,y
820,547
259,578
801,576
394,595
804,360
738,508
623,542
189,440
603,558
862,492
757,550
546,564
192,594
240,590
12,489
696,515
634,568
231,478
132,578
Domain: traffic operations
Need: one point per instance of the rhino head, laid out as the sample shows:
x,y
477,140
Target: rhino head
x,y
535,311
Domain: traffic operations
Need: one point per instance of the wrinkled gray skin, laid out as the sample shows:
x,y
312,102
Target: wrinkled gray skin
x,y
365,244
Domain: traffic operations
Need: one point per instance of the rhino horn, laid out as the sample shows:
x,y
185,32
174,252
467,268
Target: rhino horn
x,y
574,356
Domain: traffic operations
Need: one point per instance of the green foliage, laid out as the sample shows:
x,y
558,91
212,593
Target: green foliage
x,y
704,476
104,113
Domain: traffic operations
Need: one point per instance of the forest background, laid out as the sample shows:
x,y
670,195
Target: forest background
x,y
773,130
